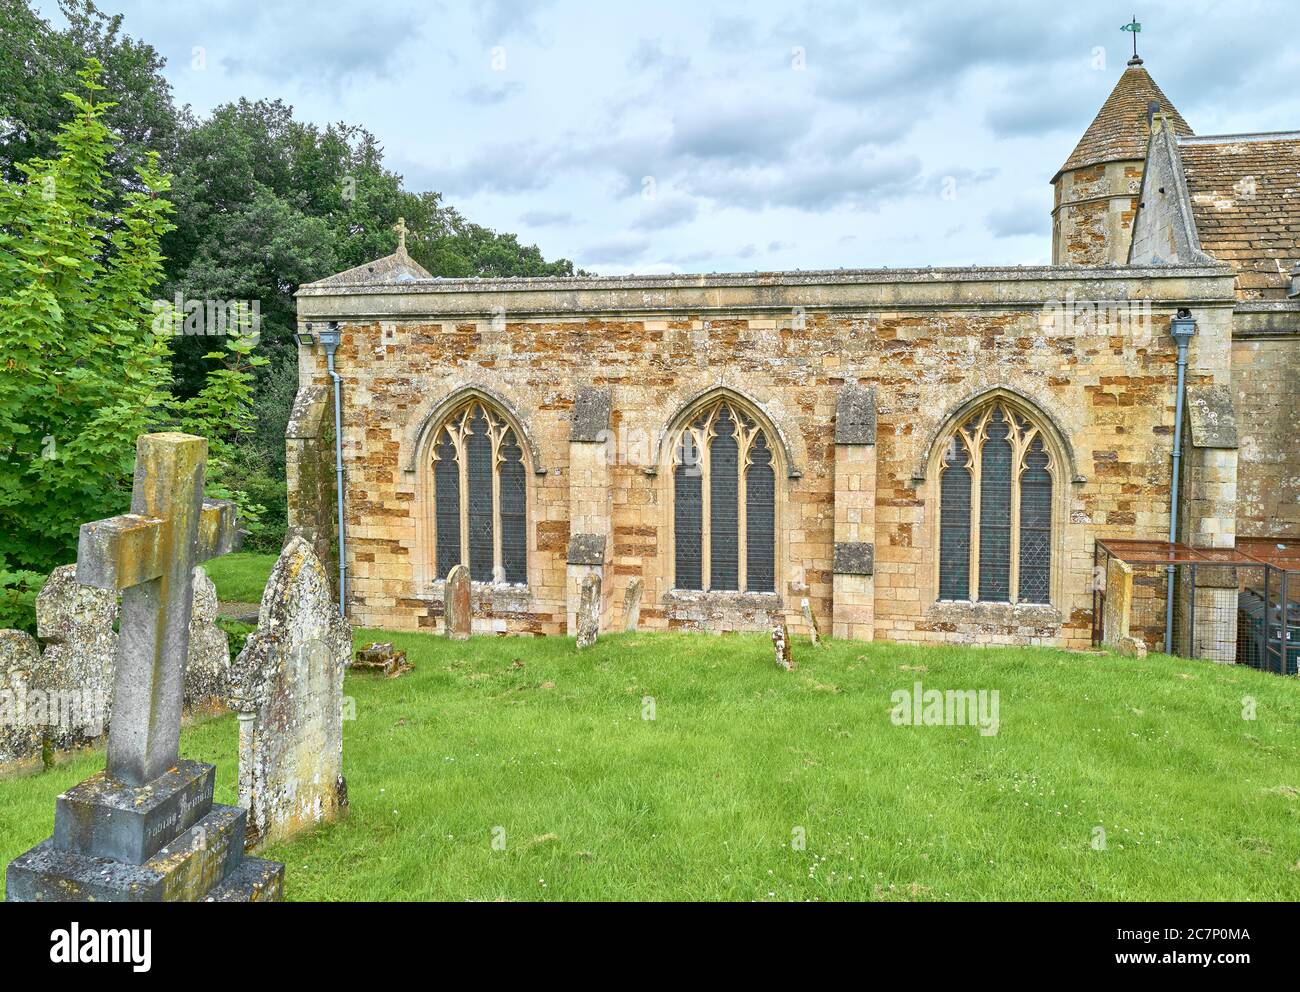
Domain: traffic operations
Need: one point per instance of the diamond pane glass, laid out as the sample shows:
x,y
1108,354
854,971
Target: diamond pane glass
x,y
478,457
446,489
688,515
760,519
954,524
995,512
514,523
1035,526
723,517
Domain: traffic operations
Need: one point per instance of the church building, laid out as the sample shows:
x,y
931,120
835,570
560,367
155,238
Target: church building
x,y
924,455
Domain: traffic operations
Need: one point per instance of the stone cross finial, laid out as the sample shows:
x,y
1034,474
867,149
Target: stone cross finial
x,y
401,229
149,555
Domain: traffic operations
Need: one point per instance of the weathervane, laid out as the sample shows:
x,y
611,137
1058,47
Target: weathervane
x,y
1133,27
400,228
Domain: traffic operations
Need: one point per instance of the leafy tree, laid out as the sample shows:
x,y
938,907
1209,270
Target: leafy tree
x,y
38,64
83,373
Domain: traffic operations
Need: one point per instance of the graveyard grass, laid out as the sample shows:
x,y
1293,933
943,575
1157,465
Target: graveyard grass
x,y
547,750
240,577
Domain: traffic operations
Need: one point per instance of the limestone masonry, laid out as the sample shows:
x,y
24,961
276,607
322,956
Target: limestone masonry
x,y
738,443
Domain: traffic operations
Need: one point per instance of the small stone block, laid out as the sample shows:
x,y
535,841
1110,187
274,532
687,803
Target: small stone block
x,y
103,818
855,415
587,549
590,418
854,558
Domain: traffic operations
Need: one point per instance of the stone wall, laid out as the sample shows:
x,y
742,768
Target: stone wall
x,y
1092,218
1266,393
927,342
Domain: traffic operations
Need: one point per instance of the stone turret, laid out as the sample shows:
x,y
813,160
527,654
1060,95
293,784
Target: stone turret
x,y
1097,189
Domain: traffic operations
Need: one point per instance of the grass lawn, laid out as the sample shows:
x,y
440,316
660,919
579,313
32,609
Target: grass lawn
x,y
549,749
240,577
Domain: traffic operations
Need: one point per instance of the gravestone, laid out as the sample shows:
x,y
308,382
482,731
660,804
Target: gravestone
x,y
380,657
589,611
814,632
20,738
632,605
207,676
781,647
145,829
76,622
287,686
457,603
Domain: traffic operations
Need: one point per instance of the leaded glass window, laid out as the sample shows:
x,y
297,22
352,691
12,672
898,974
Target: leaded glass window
x,y
995,509
480,498
724,503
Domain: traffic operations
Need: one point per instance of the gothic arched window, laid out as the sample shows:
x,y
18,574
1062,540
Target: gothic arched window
x,y
479,497
995,509
724,502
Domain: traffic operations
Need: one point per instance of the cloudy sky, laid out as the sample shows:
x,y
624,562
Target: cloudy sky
x,y
700,136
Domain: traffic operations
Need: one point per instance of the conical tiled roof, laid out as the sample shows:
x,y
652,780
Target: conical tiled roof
x,y
1119,132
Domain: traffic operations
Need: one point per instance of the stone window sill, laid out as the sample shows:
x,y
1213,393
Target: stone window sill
x,y
995,614
498,597
723,598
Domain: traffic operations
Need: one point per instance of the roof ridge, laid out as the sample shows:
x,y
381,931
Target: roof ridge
x,y
1216,139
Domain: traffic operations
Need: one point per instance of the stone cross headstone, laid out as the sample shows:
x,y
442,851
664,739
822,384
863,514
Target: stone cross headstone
x,y
589,611
632,605
146,828
287,686
457,603
781,646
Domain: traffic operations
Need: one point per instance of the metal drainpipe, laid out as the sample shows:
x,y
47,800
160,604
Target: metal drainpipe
x,y
330,339
1182,327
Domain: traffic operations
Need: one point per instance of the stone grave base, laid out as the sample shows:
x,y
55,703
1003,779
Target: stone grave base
x,y
165,841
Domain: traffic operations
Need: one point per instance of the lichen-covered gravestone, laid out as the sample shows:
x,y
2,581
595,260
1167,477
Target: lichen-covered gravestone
x,y
20,739
589,611
145,829
781,647
287,686
457,603
814,631
76,623
632,605
207,676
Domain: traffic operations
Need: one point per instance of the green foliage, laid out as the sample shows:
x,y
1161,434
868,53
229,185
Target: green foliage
x,y
83,374
236,633
39,63
18,591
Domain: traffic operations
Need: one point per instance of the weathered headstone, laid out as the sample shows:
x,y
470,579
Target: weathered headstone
x,y
457,603
76,622
20,738
781,646
207,676
632,605
146,829
589,611
814,632
287,686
